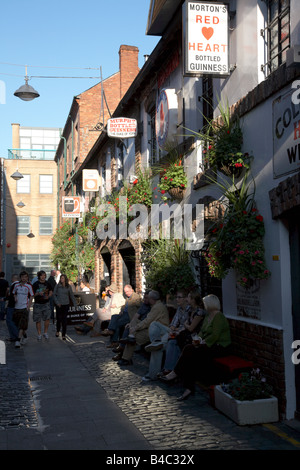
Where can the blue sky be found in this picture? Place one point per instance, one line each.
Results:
(53, 39)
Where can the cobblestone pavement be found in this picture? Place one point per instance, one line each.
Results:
(152, 407)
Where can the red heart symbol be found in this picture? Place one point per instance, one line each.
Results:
(207, 32)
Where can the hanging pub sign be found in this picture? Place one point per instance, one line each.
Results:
(121, 128)
(90, 180)
(71, 206)
(166, 117)
(206, 48)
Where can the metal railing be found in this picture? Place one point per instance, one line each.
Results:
(31, 154)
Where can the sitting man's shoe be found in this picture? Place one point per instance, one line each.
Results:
(107, 333)
(117, 357)
(128, 340)
(88, 323)
(125, 362)
(154, 346)
(112, 345)
(118, 349)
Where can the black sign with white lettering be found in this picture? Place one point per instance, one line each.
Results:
(85, 306)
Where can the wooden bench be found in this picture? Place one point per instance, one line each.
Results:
(231, 366)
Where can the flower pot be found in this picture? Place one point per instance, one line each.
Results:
(246, 412)
(176, 193)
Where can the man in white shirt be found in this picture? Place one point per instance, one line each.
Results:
(23, 293)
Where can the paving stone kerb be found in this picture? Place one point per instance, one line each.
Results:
(151, 408)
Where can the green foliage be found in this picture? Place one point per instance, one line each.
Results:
(223, 140)
(72, 252)
(167, 266)
(141, 190)
(238, 239)
(249, 386)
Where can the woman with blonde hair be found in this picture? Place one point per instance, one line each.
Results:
(196, 360)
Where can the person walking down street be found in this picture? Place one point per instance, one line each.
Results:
(4, 290)
(23, 294)
(63, 298)
(41, 308)
(11, 326)
(52, 282)
(140, 334)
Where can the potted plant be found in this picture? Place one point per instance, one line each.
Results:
(172, 177)
(247, 399)
(167, 266)
(173, 181)
(237, 241)
(223, 141)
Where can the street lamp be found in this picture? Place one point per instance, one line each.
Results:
(26, 92)
(21, 204)
(17, 175)
(30, 235)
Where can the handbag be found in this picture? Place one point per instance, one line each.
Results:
(184, 338)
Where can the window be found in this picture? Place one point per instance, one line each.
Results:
(277, 33)
(45, 223)
(46, 184)
(23, 225)
(23, 185)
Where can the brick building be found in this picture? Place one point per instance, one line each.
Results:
(88, 116)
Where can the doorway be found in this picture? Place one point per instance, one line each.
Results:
(294, 233)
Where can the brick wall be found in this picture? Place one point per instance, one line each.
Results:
(264, 346)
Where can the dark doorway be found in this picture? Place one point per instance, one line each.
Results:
(294, 230)
(127, 252)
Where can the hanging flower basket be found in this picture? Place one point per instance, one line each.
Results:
(177, 193)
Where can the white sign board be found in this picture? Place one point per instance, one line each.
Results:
(90, 180)
(286, 134)
(122, 128)
(206, 39)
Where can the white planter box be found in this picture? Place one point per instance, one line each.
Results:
(246, 412)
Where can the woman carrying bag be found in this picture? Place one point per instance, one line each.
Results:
(63, 297)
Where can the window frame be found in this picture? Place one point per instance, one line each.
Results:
(20, 183)
(40, 228)
(18, 217)
(48, 175)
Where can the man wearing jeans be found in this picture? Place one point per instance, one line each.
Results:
(160, 335)
(41, 309)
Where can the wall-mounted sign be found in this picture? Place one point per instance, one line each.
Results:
(206, 49)
(122, 128)
(71, 206)
(286, 135)
(166, 117)
(90, 180)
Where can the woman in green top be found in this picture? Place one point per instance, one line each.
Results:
(196, 360)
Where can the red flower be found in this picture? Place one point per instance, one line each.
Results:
(163, 191)
(259, 218)
(135, 181)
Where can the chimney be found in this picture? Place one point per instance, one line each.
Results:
(129, 67)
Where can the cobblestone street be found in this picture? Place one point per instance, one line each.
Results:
(151, 408)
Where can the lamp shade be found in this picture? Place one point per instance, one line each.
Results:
(26, 93)
(16, 175)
